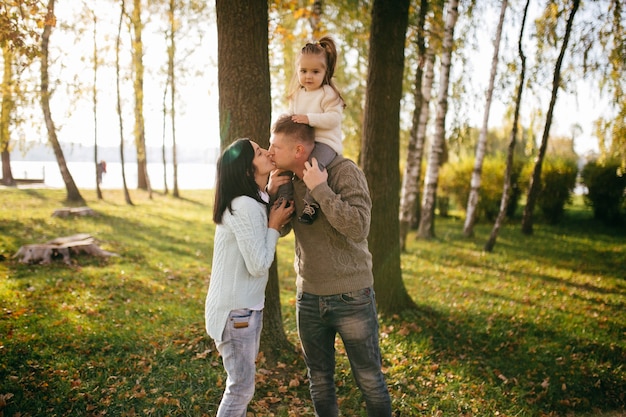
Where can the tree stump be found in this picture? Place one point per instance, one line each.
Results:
(61, 247)
(73, 211)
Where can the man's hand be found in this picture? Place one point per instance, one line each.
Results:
(312, 176)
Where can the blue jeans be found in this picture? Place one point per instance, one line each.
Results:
(239, 348)
(353, 316)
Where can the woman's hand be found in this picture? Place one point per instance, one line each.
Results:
(278, 177)
(280, 213)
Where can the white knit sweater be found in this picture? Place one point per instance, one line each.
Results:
(324, 109)
(243, 252)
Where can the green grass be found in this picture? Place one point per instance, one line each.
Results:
(537, 328)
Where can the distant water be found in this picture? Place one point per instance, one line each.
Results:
(191, 176)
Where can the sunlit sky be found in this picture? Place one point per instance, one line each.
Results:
(197, 111)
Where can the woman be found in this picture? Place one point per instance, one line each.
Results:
(244, 248)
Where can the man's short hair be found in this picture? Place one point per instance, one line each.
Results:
(299, 131)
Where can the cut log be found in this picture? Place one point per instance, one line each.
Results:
(61, 247)
(41, 253)
(73, 211)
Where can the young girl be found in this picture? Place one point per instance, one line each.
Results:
(244, 247)
(314, 100)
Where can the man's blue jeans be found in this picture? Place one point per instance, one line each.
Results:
(239, 348)
(353, 316)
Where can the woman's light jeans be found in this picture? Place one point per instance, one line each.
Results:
(239, 348)
(353, 316)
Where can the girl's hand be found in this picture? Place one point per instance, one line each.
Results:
(300, 118)
(280, 213)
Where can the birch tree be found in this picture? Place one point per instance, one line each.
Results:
(535, 181)
(409, 199)
(171, 77)
(118, 90)
(73, 195)
(166, 88)
(94, 101)
(611, 134)
(426, 228)
(506, 189)
(472, 201)
(185, 20)
(410, 179)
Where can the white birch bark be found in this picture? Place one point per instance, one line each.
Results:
(534, 188)
(427, 221)
(413, 171)
(472, 201)
(506, 189)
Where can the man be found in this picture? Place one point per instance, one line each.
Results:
(334, 270)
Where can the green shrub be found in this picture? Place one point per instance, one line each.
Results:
(605, 190)
(455, 181)
(558, 180)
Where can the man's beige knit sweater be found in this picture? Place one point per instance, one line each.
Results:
(332, 256)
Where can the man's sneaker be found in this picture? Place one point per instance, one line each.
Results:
(309, 214)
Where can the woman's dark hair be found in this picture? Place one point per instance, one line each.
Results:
(234, 177)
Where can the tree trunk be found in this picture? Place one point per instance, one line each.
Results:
(244, 102)
(245, 111)
(535, 181)
(94, 95)
(171, 57)
(143, 180)
(163, 142)
(380, 153)
(472, 201)
(6, 111)
(7, 174)
(410, 179)
(506, 189)
(427, 221)
(119, 101)
(410, 207)
(73, 195)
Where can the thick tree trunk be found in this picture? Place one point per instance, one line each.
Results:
(506, 189)
(535, 181)
(380, 154)
(73, 195)
(245, 111)
(426, 228)
(472, 201)
(143, 180)
(7, 174)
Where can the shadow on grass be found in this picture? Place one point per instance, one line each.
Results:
(537, 368)
(536, 327)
